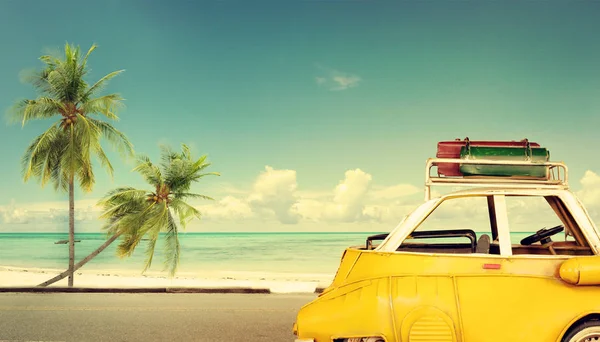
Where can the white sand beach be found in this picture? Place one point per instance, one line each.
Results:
(276, 282)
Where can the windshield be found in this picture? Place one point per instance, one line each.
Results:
(401, 230)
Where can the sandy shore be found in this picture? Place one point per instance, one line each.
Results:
(276, 282)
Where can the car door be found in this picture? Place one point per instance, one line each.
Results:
(423, 293)
(514, 297)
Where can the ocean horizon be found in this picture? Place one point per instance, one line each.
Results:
(201, 252)
(257, 252)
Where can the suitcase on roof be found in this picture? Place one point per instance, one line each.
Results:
(452, 149)
(531, 154)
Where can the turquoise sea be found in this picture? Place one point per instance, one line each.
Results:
(200, 252)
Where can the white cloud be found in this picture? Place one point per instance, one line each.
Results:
(229, 208)
(345, 82)
(48, 212)
(394, 192)
(12, 214)
(353, 200)
(345, 203)
(349, 196)
(274, 198)
(590, 193)
(390, 213)
(336, 80)
(274, 192)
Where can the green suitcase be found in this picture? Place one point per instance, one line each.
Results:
(536, 154)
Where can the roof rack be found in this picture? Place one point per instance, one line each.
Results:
(556, 175)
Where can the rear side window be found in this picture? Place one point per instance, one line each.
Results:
(455, 226)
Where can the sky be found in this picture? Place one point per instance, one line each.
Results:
(319, 115)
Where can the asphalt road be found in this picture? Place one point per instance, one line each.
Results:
(83, 317)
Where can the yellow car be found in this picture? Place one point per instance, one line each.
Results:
(470, 272)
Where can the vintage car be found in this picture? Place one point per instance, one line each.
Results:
(470, 272)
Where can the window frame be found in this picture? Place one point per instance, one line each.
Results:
(497, 219)
(569, 219)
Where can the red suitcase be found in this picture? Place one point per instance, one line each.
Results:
(451, 149)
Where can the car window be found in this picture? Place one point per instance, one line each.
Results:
(455, 226)
(528, 214)
(541, 225)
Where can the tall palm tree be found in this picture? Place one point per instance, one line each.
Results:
(133, 213)
(62, 154)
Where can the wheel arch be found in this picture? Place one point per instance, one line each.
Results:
(589, 316)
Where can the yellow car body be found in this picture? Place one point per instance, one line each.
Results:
(539, 292)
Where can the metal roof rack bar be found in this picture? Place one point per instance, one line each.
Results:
(556, 175)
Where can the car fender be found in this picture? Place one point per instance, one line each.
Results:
(574, 321)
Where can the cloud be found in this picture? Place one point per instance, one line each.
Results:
(346, 203)
(48, 212)
(228, 208)
(12, 214)
(395, 192)
(335, 80)
(390, 213)
(590, 193)
(274, 195)
(274, 192)
(349, 197)
(354, 199)
(274, 199)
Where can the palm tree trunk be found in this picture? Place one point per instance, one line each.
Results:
(71, 230)
(82, 262)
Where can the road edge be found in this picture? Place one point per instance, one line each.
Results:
(243, 290)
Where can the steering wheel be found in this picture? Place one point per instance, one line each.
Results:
(543, 235)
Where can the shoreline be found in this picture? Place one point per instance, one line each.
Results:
(11, 276)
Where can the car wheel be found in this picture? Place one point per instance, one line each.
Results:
(584, 332)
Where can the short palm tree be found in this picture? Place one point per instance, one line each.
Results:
(133, 213)
(62, 154)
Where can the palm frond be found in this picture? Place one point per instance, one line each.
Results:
(172, 247)
(149, 171)
(100, 84)
(117, 139)
(185, 211)
(104, 161)
(122, 194)
(87, 55)
(150, 250)
(150, 221)
(166, 156)
(127, 245)
(185, 195)
(52, 62)
(106, 105)
(41, 150)
(91, 131)
(41, 108)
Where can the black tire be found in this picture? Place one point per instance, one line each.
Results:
(590, 328)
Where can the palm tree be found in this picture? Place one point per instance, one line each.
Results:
(62, 154)
(134, 213)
